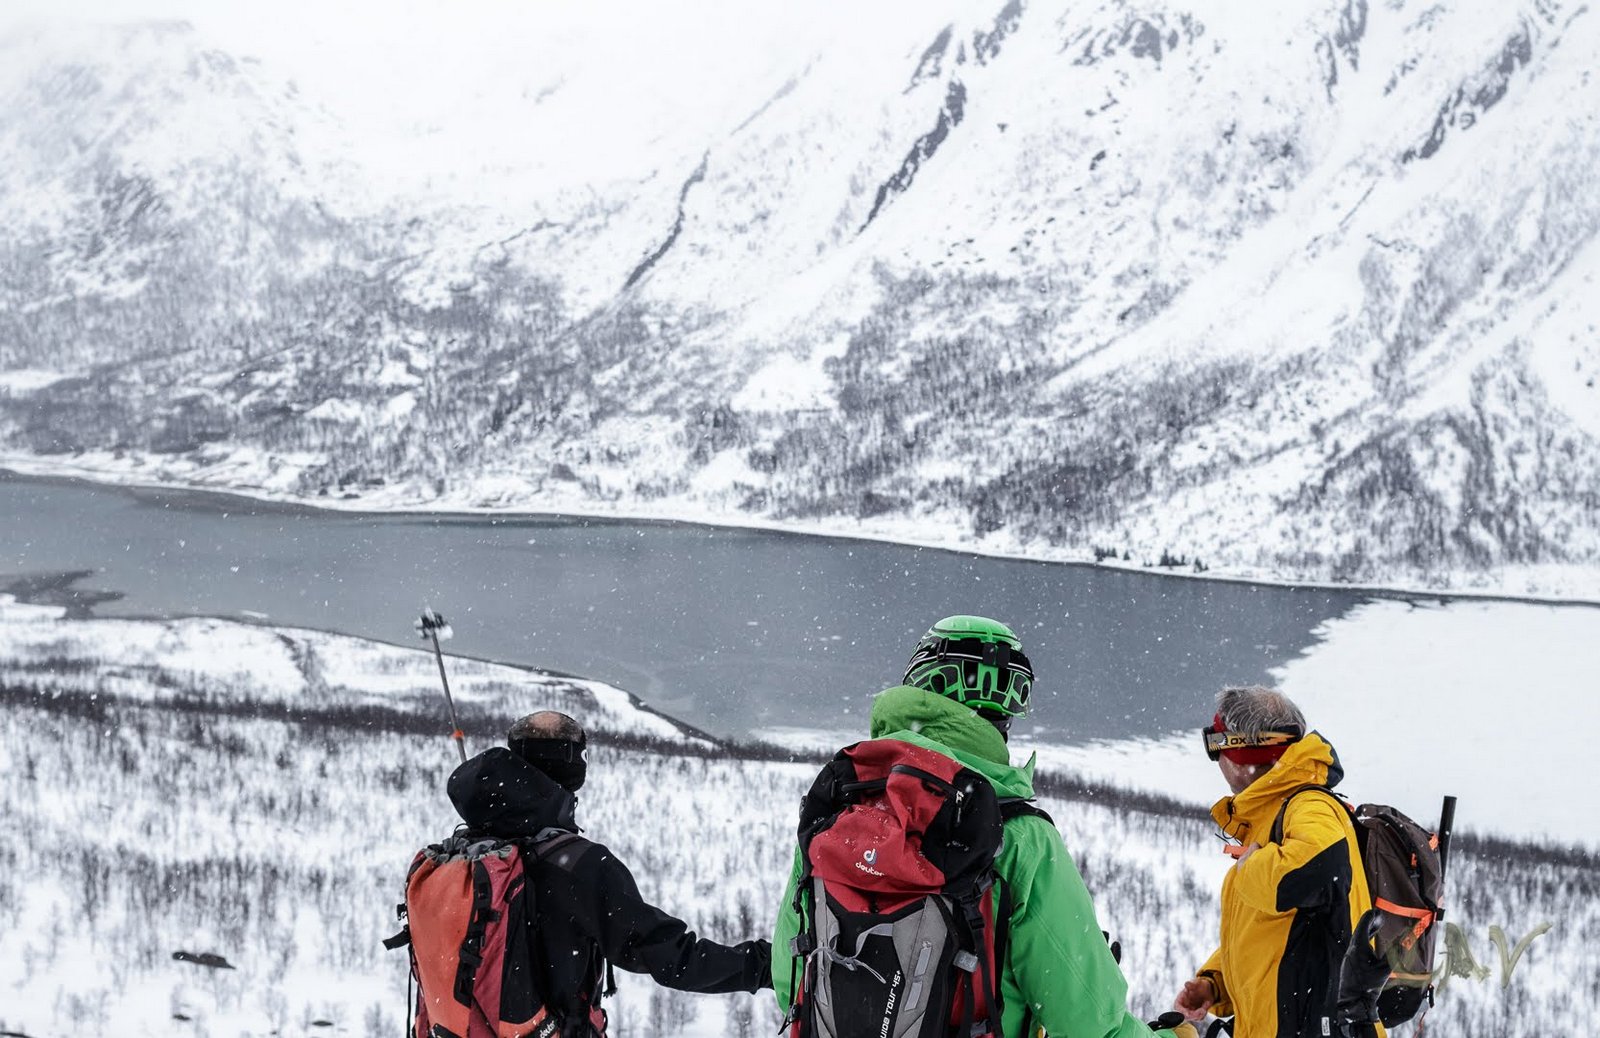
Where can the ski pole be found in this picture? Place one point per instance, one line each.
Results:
(433, 627)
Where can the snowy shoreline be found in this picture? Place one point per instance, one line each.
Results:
(1417, 667)
(31, 468)
(1480, 700)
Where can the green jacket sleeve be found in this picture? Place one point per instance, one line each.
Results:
(783, 932)
(1060, 963)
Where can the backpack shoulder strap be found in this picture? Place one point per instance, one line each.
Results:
(541, 847)
(544, 849)
(1005, 905)
(1016, 807)
(1283, 808)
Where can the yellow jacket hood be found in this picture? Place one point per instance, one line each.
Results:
(1248, 816)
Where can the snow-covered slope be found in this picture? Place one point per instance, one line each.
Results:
(1302, 291)
(212, 666)
(217, 789)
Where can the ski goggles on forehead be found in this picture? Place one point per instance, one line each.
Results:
(973, 650)
(973, 653)
(1216, 742)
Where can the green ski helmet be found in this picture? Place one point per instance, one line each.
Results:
(976, 661)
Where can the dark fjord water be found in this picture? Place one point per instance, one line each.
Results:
(728, 629)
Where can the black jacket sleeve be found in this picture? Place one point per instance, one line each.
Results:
(639, 937)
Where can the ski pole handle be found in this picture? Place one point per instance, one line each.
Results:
(432, 626)
(1447, 822)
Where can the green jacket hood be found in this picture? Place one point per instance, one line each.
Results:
(932, 721)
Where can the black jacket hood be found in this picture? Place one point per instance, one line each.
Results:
(500, 794)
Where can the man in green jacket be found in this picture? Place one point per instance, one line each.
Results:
(1059, 975)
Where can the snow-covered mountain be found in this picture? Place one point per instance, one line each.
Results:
(1304, 291)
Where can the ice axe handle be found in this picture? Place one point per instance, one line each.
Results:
(1447, 822)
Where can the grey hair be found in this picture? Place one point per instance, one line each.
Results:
(546, 724)
(1253, 709)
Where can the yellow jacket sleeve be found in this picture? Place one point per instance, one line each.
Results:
(1212, 971)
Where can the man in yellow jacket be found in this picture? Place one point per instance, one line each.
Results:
(1288, 905)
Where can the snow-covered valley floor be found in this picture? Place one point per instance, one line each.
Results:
(213, 787)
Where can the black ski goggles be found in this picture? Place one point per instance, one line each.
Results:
(1216, 742)
(565, 760)
(973, 672)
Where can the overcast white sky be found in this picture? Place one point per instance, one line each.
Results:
(377, 48)
(415, 83)
(393, 57)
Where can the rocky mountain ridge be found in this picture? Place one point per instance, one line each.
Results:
(1299, 293)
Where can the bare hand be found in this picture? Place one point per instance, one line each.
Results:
(1195, 999)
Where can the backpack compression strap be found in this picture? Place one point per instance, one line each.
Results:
(471, 954)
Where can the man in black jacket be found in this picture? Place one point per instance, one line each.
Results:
(590, 912)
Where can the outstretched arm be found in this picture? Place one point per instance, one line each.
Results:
(641, 938)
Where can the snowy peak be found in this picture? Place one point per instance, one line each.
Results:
(150, 98)
(1303, 290)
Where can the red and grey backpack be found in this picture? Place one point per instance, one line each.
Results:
(470, 914)
(1404, 866)
(898, 934)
